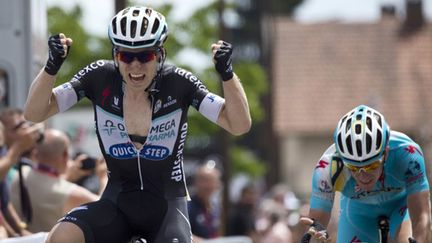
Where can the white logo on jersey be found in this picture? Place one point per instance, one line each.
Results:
(92, 66)
(188, 75)
(158, 105)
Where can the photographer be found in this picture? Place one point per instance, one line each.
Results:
(51, 195)
(88, 172)
(19, 138)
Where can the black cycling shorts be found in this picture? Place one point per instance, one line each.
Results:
(136, 213)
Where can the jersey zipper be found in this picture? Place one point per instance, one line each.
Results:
(139, 169)
(139, 151)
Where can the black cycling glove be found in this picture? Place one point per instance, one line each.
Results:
(223, 58)
(56, 55)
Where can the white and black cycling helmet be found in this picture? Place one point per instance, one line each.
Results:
(138, 27)
(361, 136)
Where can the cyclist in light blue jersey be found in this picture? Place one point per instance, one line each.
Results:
(378, 172)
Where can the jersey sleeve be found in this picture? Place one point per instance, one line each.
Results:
(322, 188)
(412, 168)
(81, 85)
(199, 97)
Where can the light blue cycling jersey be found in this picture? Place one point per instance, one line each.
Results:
(403, 174)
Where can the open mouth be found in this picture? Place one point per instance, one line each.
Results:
(136, 77)
(366, 182)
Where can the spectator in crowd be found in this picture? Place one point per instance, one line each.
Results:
(277, 230)
(241, 220)
(88, 172)
(272, 223)
(51, 195)
(19, 138)
(204, 213)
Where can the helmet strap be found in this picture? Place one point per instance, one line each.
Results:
(113, 53)
(161, 61)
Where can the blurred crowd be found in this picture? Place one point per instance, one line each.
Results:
(262, 216)
(41, 180)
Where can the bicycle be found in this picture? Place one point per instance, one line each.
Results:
(383, 226)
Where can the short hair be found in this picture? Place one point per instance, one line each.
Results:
(10, 111)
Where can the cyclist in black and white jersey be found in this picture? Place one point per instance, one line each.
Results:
(140, 110)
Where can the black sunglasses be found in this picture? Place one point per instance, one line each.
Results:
(143, 56)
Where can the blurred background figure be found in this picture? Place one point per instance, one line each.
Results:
(20, 137)
(242, 217)
(204, 208)
(51, 195)
(276, 230)
(88, 172)
(274, 212)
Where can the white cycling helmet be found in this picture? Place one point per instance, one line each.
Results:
(361, 136)
(138, 27)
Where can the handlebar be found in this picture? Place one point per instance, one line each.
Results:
(318, 227)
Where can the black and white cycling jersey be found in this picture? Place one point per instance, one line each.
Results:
(157, 166)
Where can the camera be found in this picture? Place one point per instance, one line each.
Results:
(40, 131)
(39, 126)
(88, 163)
(41, 137)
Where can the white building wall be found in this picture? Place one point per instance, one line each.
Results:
(299, 155)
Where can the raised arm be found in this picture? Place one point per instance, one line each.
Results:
(41, 102)
(234, 116)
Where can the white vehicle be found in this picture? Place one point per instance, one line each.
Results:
(23, 31)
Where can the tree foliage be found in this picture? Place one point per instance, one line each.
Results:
(198, 32)
(85, 49)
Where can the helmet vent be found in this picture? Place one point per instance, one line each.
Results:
(125, 11)
(135, 13)
(358, 129)
(133, 28)
(359, 148)
(358, 117)
(148, 11)
(378, 118)
(114, 25)
(155, 26)
(368, 143)
(340, 143)
(343, 119)
(348, 144)
(144, 26)
(348, 125)
(378, 141)
(164, 32)
(369, 123)
(123, 25)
